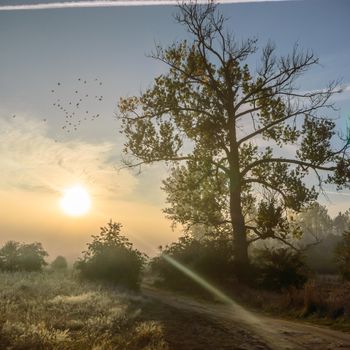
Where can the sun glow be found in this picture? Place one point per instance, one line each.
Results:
(75, 201)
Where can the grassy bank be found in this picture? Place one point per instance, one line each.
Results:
(57, 311)
(318, 302)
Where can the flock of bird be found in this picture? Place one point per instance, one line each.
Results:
(76, 109)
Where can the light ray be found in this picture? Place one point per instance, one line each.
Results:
(266, 333)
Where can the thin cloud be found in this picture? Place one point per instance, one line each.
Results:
(32, 161)
(110, 3)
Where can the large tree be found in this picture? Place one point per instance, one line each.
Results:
(225, 126)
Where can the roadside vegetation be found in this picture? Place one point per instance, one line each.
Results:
(280, 283)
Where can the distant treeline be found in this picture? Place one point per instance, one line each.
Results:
(323, 248)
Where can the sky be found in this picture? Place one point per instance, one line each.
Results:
(46, 55)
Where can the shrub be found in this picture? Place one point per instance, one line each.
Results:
(210, 258)
(60, 263)
(342, 254)
(280, 268)
(15, 256)
(111, 257)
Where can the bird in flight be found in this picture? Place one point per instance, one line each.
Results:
(74, 106)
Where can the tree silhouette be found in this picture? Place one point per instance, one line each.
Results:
(15, 256)
(111, 257)
(59, 264)
(343, 255)
(223, 126)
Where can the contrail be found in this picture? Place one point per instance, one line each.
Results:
(338, 193)
(111, 3)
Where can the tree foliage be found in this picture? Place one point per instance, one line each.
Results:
(60, 263)
(15, 256)
(341, 222)
(343, 255)
(210, 258)
(224, 126)
(111, 257)
(280, 268)
(315, 223)
(321, 235)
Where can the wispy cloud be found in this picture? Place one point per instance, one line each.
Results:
(110, 3)
(32, 161)
(346, 88)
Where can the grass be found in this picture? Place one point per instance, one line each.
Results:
(317, 302)
(58, 311)
(53, 310)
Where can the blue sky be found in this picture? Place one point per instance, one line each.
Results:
(41, 48)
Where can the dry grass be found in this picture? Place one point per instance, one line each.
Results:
(57, 311)
(318, 301)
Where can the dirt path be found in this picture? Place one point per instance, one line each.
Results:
(193, 325)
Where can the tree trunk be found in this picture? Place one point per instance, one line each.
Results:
(240, 244)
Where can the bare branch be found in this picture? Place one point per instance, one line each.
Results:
(303, 164)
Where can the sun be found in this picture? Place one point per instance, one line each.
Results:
(75, 201)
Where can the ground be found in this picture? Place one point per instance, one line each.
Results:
(205, 325)
(58, 311)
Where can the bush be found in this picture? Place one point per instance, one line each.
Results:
(210, 258)
(59, 264)
(15, 256)
(280, 268)
(342, 254)
(111, 257)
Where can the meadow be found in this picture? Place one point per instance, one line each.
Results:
(56, 310)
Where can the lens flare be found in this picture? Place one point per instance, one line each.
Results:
(270, 336)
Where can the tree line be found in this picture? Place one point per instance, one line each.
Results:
(110, 257)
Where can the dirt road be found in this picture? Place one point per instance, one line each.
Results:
(193, 325)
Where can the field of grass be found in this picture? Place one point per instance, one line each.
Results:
(58, 311)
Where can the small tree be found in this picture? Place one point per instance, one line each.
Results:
(315, 223)
(9, 256)
(341, 222)
(32, 257)
(111, 257)
(280, 268)
(343, 255)
(15, 256)
(59, 264)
